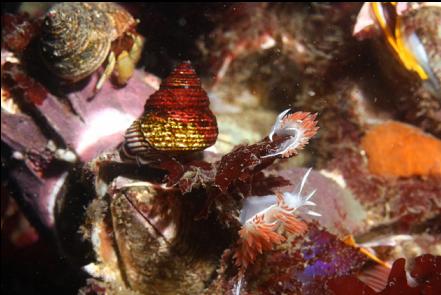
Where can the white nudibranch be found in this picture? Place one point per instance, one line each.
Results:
(298, 127)
(261, 217)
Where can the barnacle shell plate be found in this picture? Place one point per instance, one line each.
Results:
(148, 250)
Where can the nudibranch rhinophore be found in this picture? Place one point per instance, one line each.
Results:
(176, 119)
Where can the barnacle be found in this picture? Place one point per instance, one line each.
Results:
(299, 127)
(261, 217)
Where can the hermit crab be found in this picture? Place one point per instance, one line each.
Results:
(77, 38)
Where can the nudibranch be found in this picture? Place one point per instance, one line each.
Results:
(263, 217)
(299, 127)
(411, 31)
(176, 119)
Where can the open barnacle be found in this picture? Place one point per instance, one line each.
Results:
(77, 38)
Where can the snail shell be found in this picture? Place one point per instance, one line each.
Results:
(176, 119)
(77, 37)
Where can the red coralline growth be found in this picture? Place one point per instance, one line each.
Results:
(427, 269)
(415, 200)
(409, 200)
(242, 163)
(300, 266)
(15, 78)
(18, 31)
(426, 272)
(262, 185)
(290, 133)
(365, 186)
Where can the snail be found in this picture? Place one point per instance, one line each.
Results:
(176, 119)
(78, 38)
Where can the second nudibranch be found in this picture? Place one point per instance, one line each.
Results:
(264, 218)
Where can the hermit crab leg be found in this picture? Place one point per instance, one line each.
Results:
(126, 61)
(111, 61)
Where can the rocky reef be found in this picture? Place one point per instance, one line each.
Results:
(286, 149)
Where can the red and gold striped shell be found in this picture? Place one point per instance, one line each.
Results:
(176, 120)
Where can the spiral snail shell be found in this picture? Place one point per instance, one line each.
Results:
(78, 37)
(177, 118)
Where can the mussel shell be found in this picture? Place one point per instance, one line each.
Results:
(426, 23)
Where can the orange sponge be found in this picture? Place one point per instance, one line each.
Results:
(397, 149)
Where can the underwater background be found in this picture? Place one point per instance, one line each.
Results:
(224, 148)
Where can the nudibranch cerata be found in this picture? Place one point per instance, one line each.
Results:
(261, 217)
